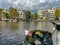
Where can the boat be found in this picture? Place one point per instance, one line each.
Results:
(38, 37)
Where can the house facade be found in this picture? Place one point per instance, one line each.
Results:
(47, 14)
(41, 13)
(52, 13)
(22, 15)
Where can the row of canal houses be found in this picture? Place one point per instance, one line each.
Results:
(47, 14)
(21, 16)
(43, 14)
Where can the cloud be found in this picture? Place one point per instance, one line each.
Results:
(23, 4)
(41, 1)
(29, 4)
(9, 0)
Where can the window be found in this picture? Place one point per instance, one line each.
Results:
(21, 13)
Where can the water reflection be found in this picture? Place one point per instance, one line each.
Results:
(13, 32)
(13, 26)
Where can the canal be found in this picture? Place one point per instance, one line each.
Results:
(12, 33)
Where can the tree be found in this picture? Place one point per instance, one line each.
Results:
(13, 13)
(6, 15)
(35, 16)
(57, 13)
(28, 15)
(1, 10)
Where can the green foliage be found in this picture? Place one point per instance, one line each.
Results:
(6, 15)
(13, 13)
(1, 10)
(35, 16)
(57, 13)
(28, 14)
(30, 40)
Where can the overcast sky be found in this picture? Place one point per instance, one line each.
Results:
(22, 4)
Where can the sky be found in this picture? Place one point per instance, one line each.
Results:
(23, 4)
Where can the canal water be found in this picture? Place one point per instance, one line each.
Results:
(13, 33)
